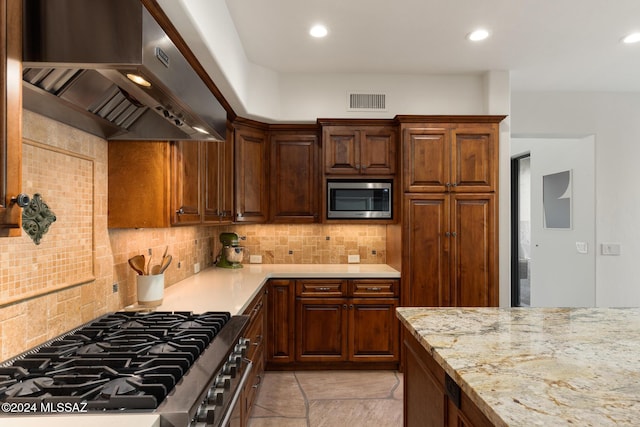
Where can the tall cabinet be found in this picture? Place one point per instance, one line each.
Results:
(449, 219)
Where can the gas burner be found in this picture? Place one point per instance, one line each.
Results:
(132, 324)
(93, 348)
(163, 348)
(29, 387)
(121, 386)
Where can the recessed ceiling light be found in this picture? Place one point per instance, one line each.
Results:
(632, 38)
(478, 35)
(318, 31)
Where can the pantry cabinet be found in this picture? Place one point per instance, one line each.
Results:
(10, 116)
(450, 157)
(251, 171)
(450, 243)
(359, 147)
(449, 216)
(294, 182)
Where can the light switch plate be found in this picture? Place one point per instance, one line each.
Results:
(255, 259)
(354, 259)
(582, 247)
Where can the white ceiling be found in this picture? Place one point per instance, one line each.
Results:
(545, 44)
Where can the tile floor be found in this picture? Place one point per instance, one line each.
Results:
(329, 399)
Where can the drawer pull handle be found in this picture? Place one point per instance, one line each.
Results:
(374, 289)
(323, 289)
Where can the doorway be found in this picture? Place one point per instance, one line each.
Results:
(553, 222)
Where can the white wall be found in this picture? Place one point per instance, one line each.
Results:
(614, 119)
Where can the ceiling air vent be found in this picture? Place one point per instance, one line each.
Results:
(359, 101)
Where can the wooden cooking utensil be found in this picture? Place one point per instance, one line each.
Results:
(137, 263)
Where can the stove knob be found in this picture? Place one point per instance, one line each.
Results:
(236, 359)
(241, 347)
(205, 415)
(229, 369)
(223, 381)
(215, 396)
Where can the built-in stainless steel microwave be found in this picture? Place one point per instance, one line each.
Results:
(359, 200)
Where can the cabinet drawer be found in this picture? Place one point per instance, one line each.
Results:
(321, 288)
(255, 333)
(374, 288)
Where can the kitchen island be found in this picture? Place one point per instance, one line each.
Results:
(522, 366)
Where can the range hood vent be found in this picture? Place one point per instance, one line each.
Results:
(77, 55)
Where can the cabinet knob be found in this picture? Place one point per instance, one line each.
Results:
(447, 234)
(454, 234)
(351, 306)
(180, 211)
(344, 306)
(21, 200)
(358, 167)
(239, 215)
(455, 184)
(448, 184)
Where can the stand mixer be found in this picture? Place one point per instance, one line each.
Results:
(231, 253)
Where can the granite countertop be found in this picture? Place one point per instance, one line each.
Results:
(221, 289)
(538, 366)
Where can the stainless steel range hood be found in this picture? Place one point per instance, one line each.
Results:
(76, 58)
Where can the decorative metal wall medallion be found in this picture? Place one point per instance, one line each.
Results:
(36, 218)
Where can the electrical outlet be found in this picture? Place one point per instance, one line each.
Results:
(196, 268)
(114, 287)
(255, 259)
(354, 259)
(179, 264)
(611, 249)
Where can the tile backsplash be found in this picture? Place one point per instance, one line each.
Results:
(80, 269)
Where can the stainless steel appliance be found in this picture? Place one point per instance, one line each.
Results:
(84, 62)
(359, 199)
(188, 368)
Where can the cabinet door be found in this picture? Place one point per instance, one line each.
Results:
(251, 196)
(212, 181)
(294, 178)
(280, 323)
(426, 245)
(226, 166)
(139, 176)
(10, 116)
(378, 150)
(186, 185)
(426, 158)
(373, 330)
(341, 146)
(474, 157)
(321, 329)
(474, 279)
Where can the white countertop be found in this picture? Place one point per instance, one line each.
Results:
(222, 289)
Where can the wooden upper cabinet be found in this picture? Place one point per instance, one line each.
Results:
(251, 172)
(186, 175)
(294, 182)
(353, 148)
(217, 202)
(157, 184)
(450, 157)
(10, 116)
(139, 187)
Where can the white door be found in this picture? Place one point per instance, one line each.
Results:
(562, 253)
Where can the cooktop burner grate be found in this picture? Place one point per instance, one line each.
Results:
(120, 361)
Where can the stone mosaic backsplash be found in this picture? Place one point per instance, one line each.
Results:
(88, 259)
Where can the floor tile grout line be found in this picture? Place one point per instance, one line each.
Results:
(304, 396)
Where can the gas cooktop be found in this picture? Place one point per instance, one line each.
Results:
(123, 360)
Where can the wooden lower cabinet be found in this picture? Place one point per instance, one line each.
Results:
(431, 398)
(316, 323)
(255, 353)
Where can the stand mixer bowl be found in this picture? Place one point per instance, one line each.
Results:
(233, 253)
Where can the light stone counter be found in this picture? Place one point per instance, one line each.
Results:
(539, 367)
(221, 289)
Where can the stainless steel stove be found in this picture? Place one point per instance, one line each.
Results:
(188, 368)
